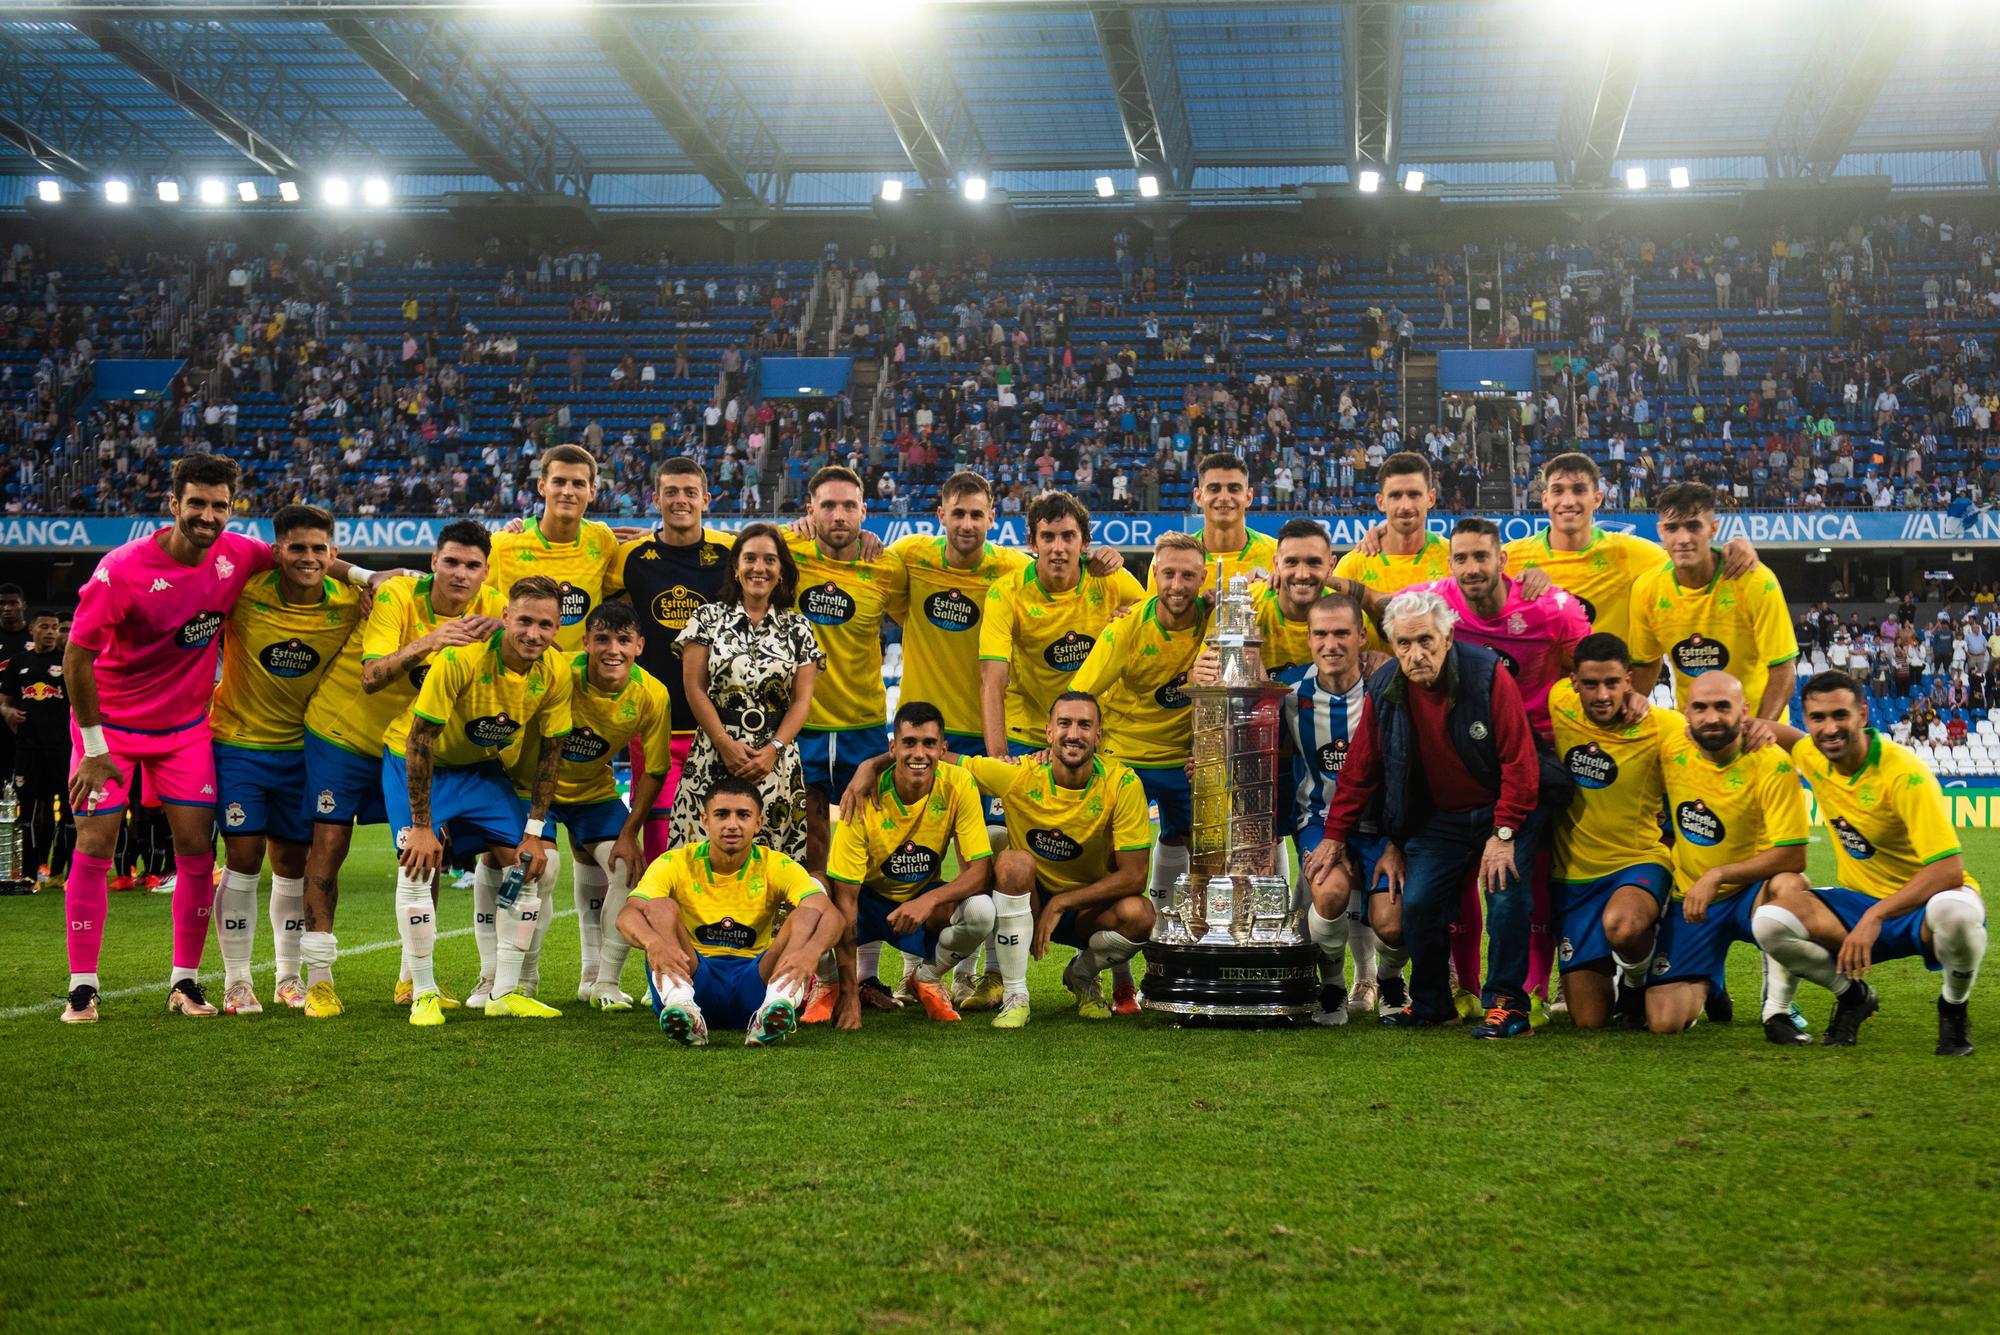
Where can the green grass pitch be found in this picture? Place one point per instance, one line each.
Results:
(584, 1174)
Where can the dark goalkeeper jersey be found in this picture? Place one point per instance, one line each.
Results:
(666, 584)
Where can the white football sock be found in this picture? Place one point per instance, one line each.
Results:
(544, 890)
(1957, 920)
(673, 989)
(1329, 937)
(517, 933)
(1013, 927)
(612, 955)
(485, 905)
(1632, 973)
(1390, 959)
(1169, 862)
(1109, 949)
(77, 980)
(869, 958)
(416, 923)
(960, 939)
(288, 920)
(968, 968)
(236, 923)
(1787, 945)
(317, 951)
(590, 885)
(1361, 944)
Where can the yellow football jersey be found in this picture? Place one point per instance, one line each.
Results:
(484, 706)
(1726, 813)
(844, 600)
(585, 571)
(1739, 626)
(1136, 670)
(1044, 638)
(342, 712)
(1613, 820)
(1889, 819)
(1286, 642)
(274, 656)
(897, 851)
(1388, 574)
(602, 724)
(1600, 576)
(939, 607)
(728, 913)
(1259, 552)
(1072, 832)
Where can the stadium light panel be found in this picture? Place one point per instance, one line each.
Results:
(892, 190)
(1106, 187)
(247, 191)
(1413, 182)
(375, 192)
(1149, 187)
(1635, 178)
(1677, 177)
(49, 192)
(1370, 181)
(288, 191)
(117, 191)
(212, 192)
(169, 192)
(337, 192)
(975, 188)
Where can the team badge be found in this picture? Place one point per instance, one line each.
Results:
(233, 816)
(1517, 624)
(1566, 951)
(1480, 732)
(324, 804)
(224, 567)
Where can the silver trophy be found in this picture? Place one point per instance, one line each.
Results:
(16, 877)
(1229, 943)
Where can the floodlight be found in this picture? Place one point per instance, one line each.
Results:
(1149, 187)
(211, 191)
(117, 191)
(1370, 182)
(288, 191)
(375, 192)
(247, 191)
(49, 192)
(1677, 177)
(170, 192)
(892, 190)
(1106, 187)
(336, 191)
(1635, 178)
(975, 188)
(1413, 181)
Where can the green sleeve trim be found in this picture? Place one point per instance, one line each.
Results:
(1788, 658)
(659, 773)
(552, 736)
(841, 879)
(995, 658)
(1146, 847)
(372, 658)
(975, 857)
(1788, 843)
(1948, 853)
(427, 718)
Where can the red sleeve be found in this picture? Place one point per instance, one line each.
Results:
(1514, 738)
(1360, 778)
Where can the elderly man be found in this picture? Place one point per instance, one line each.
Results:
(1447, 751)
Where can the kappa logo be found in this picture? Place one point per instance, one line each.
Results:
(233, 815)
(159, 586)
(208, 790)
(324, 803)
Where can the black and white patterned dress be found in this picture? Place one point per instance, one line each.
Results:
(752, 668)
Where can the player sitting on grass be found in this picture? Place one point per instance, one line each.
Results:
(711, 918)
(1903, 886)
(887, 867)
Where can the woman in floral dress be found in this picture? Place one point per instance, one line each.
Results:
(748, 663)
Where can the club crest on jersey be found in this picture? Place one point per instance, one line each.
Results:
(1170, 696)
(323, 804)
(233, 816)
(827, 604)
(1516, 624)
(1054, 845)
(200, 630)
(710, 554)
(1698, 654)
(912, 864)
(492, 729)
(1332, 756)
(583, 746)
(1066, 654)
(1852, 842)
(951, 610)
(1699, 825)
(726, 932)
(575, 603)
(291, 659)
(1591, 766)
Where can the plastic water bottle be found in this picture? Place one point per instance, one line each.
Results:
(510, 885)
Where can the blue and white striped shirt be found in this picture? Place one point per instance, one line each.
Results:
(1322, 724)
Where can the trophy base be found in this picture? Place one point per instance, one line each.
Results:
(1253, 986)
(19, 887)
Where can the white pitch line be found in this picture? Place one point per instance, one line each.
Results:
(268, 966)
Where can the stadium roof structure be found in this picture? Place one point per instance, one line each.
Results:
(749, 109)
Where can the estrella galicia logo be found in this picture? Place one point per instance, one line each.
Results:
(726, 932)
(827, 605)
(1589, 608)
(1591, 766)
(583, 746)
(1170, 696)
(1854, 843)
(1054, 845)
(1331, 757)
(492, 730)
(1699, 825)
(417, 675)
(1066, 654)
(575, 603)
(672, 607)
(1699, 653)
(951, 610)
(200, 630)
(293, 658)
(912, 864)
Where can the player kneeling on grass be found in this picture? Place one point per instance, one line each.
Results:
(1903, 886)
(472, 714)
(887, 865)
(707, 916)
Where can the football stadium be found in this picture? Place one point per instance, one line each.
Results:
(1074, 664)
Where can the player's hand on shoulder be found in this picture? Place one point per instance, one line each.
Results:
(871, 546)
(1636, 707)
(1105, 561)
(802, 527)
(1758, 733)
(515, 525)
(381, 577)
(1739, 557)
(1371, 541)
(630, 532)
(1535, 583)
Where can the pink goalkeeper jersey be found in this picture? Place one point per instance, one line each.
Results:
(1532, 639)
(156, 627)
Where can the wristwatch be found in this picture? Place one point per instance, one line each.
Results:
(1504, 833)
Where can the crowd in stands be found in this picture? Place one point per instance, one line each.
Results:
(1790, 369)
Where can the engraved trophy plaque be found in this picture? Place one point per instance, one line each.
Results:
(1229, 946)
